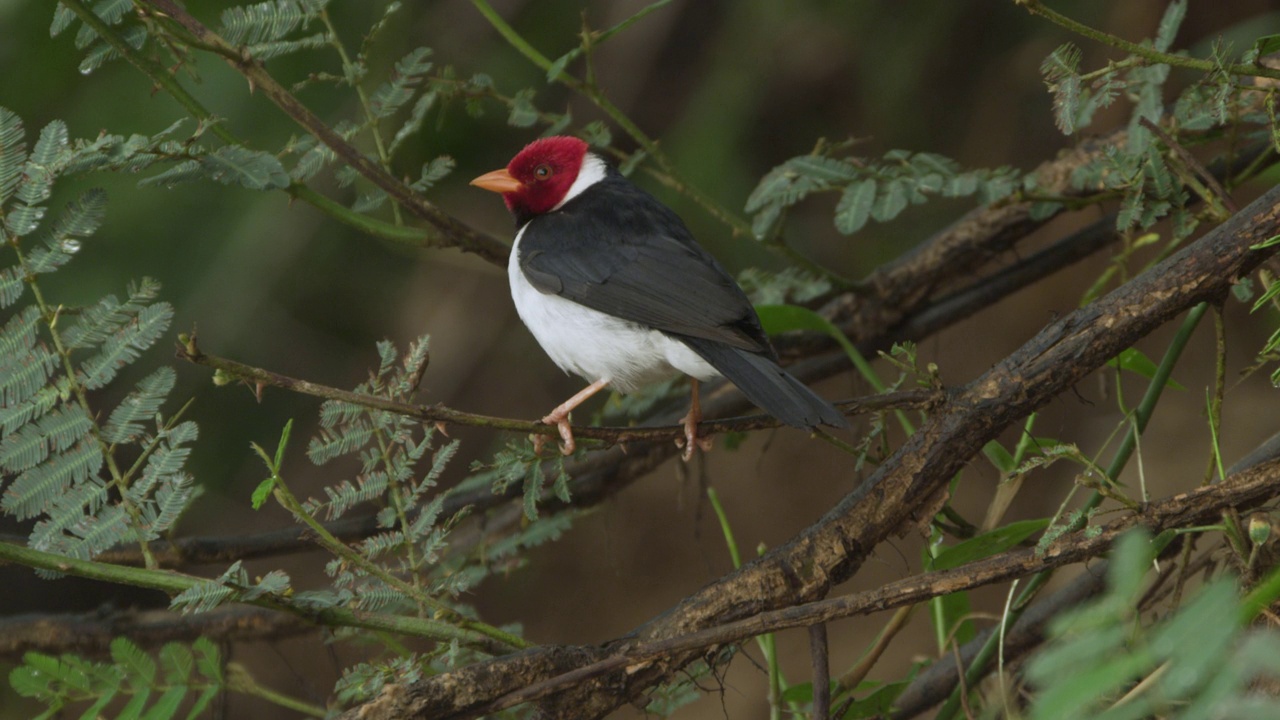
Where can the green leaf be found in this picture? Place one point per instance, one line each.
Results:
(891, 200)
(951, 623)
(22, 376)
(110, 11)
(1266, 45)
(987, 544)
(827, 171)
(999, 457)
(400, 88)
(854, 208)
(13, 152)
(1269, 242)
(781, 318)
(38, 173)
(1135, 361)
(30, 493)
(262, 492)
(143, 403)
(253, 169)
(12, 285)
(126, 344)
(523, 113)
(414, 123)
(261, 22)
(1169, 24)
(136, 663)
(167, 706)
(55, 432)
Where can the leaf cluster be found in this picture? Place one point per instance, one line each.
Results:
(153, 688)
(1103, 660)
(60, 462)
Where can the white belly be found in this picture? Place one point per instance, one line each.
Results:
(597, 346)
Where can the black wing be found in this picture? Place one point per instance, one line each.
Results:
(616, 249)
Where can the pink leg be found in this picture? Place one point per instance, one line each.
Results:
(560, 418)
(690, 423)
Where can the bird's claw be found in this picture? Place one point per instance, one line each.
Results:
(691, 439)
(567, 444)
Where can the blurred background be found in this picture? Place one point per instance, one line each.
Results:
(731, 89)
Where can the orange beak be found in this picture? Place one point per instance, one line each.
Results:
(499, 181)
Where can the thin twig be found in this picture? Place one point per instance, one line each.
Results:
(189, 350)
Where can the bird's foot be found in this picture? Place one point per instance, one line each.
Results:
(691, 439)
(561, 421)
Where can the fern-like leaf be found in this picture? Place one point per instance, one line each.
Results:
(277, 48)
(13, 152)
(263, 22)
(415, 120)
(34, 489)
(143, 403)
(54, 433)
(124, 346)
(434, 172)
(393, 94)
(332, 444)
(22, 375)
(41, 167)
(15, 416)
(111, 12)
(18, 336)
(66, 511)
(101, 52)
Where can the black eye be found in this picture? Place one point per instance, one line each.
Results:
(542, 172)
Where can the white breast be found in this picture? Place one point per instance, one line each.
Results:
(594, 345)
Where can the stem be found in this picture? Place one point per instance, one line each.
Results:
(239, 680)
(342, 550)
(765, 642)
(188, 350)
(371, 120)
(172, 583)
(1035, 7)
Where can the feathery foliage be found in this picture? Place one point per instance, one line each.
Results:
(58, 461)
(1198, 662)
(152, 688)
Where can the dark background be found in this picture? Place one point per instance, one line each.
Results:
(731, 89)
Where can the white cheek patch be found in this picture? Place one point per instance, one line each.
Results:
(592, 172)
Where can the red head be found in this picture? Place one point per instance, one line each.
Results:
(537, 179)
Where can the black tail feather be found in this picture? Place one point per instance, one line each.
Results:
(767, 385)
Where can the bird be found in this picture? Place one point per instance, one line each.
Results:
(616, 290)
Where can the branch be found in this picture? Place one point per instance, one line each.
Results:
(833, 549)
(91, 633)
(172, 583)
(188, 350)
(1146, 52)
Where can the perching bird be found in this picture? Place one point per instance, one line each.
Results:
(616, 290)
